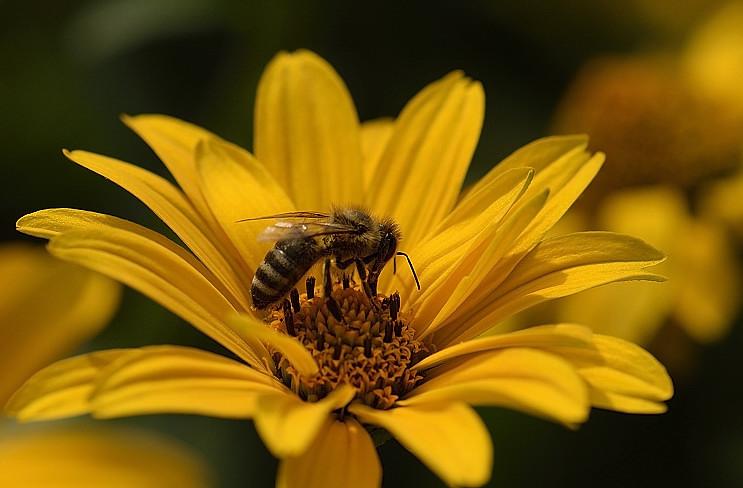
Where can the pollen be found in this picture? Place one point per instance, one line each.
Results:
(373, 348)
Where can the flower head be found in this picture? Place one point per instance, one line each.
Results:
(316, 377)
(673, 179)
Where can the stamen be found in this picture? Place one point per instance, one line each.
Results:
(394, 304)
(294, 296)
(345, 281)
(310, 287)
(288, 318)
(372, 347)
(388, 331)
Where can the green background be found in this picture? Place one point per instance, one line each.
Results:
(70, 68)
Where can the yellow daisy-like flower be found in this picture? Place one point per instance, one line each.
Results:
(412, 364)
(674, 180)
(47, 308)
(702, 295)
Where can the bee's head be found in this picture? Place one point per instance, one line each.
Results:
(389, 235)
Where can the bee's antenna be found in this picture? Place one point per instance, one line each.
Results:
(394, 264)
(410, 263)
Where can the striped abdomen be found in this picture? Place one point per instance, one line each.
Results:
(281, 269)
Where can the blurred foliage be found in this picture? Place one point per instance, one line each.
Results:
(70, 68)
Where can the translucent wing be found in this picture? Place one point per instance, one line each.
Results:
(289, 215)
(282, 230)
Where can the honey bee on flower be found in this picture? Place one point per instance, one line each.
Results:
(319, 372)
(349, 235)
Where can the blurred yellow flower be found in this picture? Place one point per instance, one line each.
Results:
(413, 364)
(92, 457)
(673, 179)
(719, 201)
(49, 307)
(713, 57)
(713, 61)
(702, 293)
(661, 129)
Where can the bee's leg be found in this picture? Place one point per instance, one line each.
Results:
(344, 264)
(361, 268)
(373, 285)
(327, 284)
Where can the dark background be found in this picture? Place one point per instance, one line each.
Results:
(70, 68)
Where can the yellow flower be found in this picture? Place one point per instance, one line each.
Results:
(663, 129)
(713, 56)
(315, 387)
(703, 291)
(673, 179)
(86, 457)
(47, 308)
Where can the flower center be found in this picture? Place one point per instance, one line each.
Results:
(372, 348)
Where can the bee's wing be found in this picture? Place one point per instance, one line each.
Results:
(289, 215)
(298, 230)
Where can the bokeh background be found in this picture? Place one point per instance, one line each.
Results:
(70, 68)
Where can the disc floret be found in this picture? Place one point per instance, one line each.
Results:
(373, 348)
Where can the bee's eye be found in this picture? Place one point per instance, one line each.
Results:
(389, 246)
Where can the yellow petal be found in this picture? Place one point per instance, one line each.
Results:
(254, 330)
(169, 203)
(147, 262)
(91, 457)
(174, 379)
(342, 455)
(428, 154)
(289, 425)
(566, 179)
(557, 267)
(236, 186)
(621, 376)
(459, 234)
(522, 379)
(583, 249)
(539, 336)
(34, 332)
(704, 285)
(449, 438)
(635, 311)
(374, 137)
(538, 155)
(174, 141)
(502, 192)
(62, 389)
(307, 131)
(474, 272)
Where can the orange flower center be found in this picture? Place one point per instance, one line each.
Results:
(372, 348)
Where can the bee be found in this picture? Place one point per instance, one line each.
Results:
(346, 236)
